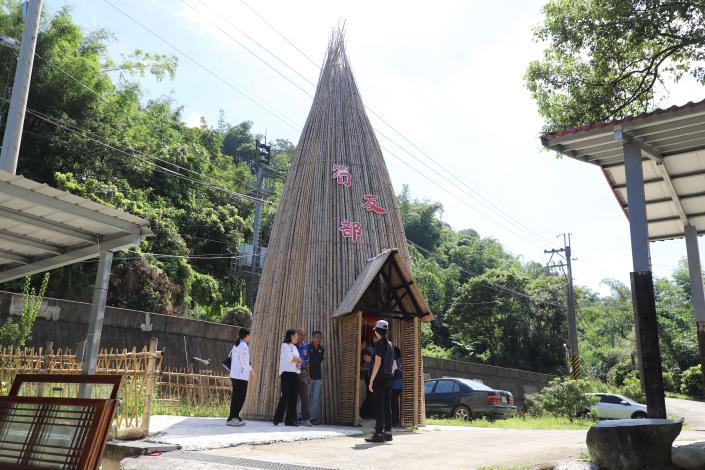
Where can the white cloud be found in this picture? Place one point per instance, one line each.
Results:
(194, 120)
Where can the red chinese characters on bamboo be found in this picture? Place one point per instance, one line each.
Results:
(341, 173)
(351, 230)
(371, 204)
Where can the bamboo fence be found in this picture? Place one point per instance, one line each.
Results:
(190, 388)
(311, 265)
(139, 370)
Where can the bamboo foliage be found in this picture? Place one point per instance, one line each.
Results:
(310, 265)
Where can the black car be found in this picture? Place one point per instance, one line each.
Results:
(466, 399)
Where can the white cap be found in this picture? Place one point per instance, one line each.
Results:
(382, 325)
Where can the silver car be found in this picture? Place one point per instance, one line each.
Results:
(613, 406)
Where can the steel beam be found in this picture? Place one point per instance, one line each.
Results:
(658, 179)
(15, 257)
(28, 241)
(57, 204)
(70, 257)
(638, 226)
(696, 274)
(626, 138)
(39, 222)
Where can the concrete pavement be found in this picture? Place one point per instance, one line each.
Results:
(212, 433)
(447, 447)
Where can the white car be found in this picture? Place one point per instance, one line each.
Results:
(613, 406)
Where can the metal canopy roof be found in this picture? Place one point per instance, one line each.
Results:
(672, 143)
(42, 228)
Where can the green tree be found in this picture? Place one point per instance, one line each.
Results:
(609, 58)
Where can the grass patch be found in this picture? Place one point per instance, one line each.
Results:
(683, 396)
(204, 411)
(547, 422)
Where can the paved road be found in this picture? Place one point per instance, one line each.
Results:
(449, 448)
(692, 411)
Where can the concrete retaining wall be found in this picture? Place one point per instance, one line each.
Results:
(65, 323)
(519, 382)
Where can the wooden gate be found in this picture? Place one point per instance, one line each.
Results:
(349, 369)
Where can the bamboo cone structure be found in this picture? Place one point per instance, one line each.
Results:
(310, 264)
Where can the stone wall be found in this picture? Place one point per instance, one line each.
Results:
(519, 382)
(65, 323)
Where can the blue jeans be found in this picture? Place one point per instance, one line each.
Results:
(314, 393)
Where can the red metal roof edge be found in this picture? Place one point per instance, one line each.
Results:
(615, 122)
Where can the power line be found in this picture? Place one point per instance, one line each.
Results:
(124, 111)
(475, 195)
(227, 83)
(445, 189)
(452, 174)
(489, 283)
(522, 237)
(251, 51)
(264, 20)
(82, 133)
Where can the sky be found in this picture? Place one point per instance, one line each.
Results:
(448, 76)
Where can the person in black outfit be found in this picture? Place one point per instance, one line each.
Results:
(289, 370)
(381, 383)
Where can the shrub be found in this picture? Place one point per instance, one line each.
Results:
(20, 333)
(632, 389)
(567, 398)
(692, 382)
(533, 405)
(669, 384)
(619, 372)
(239, 315)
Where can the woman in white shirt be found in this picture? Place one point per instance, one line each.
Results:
(240, 374)
(289, 369)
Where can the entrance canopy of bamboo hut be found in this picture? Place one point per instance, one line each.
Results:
(386, 288)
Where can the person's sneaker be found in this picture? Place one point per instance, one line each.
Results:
(276, 423)
(375, 438)
(388, 436)
(232, 422)
(306, 423)
(240, 422)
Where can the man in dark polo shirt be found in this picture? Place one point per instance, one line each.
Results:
(315, 358)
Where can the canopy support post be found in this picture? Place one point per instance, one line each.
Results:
(696, 289)
(643, 300)
(95, 322)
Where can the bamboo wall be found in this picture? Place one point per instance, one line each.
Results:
(310, 266)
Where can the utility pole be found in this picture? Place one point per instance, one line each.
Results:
(573, 351)
(20, 89)
(262, 153)
(262, 160)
